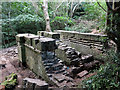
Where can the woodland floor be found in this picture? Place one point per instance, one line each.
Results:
(9, 63)
(9, 57)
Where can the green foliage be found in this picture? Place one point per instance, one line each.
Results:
(61, 22)
(16, 8)
(10, 81)
(83, 27)
(95, 12)
(19, 17)
(25, 23)
(108, 76)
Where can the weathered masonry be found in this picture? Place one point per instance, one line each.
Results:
(36, 52)
(58, 56)
(86, 43)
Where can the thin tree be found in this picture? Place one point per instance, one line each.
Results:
(46, 15)
(113, 21)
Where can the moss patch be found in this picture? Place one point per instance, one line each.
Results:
(10, 81)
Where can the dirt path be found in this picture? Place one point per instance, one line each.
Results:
(9, 63)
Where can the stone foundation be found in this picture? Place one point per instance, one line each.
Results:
(53, 60)
(33, 50)
(86, 43)
(48, 53)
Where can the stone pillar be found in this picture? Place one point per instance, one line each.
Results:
(34, 51)
(49, 34)
(21, 48)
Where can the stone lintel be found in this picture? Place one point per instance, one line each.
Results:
(49, 34)
(46, 44)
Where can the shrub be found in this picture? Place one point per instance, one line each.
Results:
(61, 22)
(108, 76)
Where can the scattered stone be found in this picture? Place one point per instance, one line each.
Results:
(35, 84)
(60, 71)
(2, 64)
(75, 61)
(60, 61)
(88, 58)
(75, 70)
(49, 75)
(83, 73)
(64, 45)
(2, 87)
(59, 77)
(70, 52)
(92, 65)
(70, 84)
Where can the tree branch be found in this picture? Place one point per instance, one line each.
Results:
(101, 6)
(110, 7)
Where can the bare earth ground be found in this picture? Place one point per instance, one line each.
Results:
(9, 57)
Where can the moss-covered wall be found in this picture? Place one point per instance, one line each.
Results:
(32, 50)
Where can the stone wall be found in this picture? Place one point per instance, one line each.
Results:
(33, 50)
(49, 34)
(86, 43)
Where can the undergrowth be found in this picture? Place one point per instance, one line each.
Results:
(108, 75)
(83, 26)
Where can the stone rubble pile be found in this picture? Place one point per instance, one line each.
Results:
(34, 84)
(63, 75)
(58, 66)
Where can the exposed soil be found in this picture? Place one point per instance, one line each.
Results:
(9, 57)
(9, 63)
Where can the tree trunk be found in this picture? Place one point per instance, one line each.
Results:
(46, 15)
(113, 23)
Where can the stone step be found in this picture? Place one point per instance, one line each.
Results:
(60, 78)
(48, 64)
(57, 67)
(33, 84)
(87, 58)
(82, 74)
(48, 61)
(91, 65)
(60, 71)
(73, 71)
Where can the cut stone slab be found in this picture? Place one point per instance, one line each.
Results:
(59, 77)
(2, 64)
(76, 70)
(83, 73)
(91, 65)
(88, 58)
(46, 44)
(75, 62)
(35, 83)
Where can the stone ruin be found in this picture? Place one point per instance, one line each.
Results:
(59, 57)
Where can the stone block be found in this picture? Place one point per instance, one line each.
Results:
(29, 38)
(76, 70)
(21, 54)
(20, 38)
(92, 65)
(35, 41)
(88, 58)
(41, 33)
(82, 74)
(46, 44)
(35, 84)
